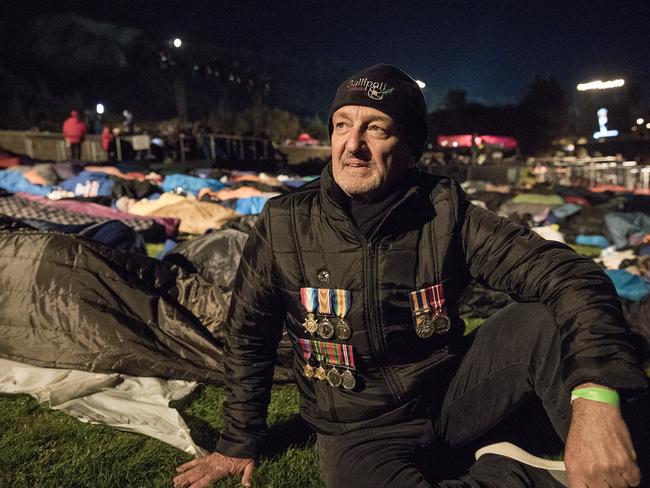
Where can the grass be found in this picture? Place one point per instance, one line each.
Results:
(40, 447)
(588, 251)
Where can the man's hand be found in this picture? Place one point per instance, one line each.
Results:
(599, 451)
(203, 471)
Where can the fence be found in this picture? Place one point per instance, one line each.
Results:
(593, 172)
(52, 147)
(49, 146)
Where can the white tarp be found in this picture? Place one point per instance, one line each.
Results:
(129, 403)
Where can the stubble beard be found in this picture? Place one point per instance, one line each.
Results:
(365, 188)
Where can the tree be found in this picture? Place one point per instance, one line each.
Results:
(316, 127)
(454, 100)
(275, 123)
(543, 115)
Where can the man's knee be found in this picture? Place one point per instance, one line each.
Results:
(354, 466)
(521, 326)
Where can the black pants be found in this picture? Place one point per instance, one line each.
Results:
(75, 151)
(507, 387)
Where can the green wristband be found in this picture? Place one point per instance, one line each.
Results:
(596, 394)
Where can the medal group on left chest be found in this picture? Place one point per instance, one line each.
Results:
(325, 360)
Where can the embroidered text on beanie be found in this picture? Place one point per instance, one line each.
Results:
(390, 90)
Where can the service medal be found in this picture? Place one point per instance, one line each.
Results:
(334, 377)
(347, 380)
(310, 324)
(320, 373)
(342, 300)
(427, 305)
(342, 330)
(308, 370)
(325, 328)
(424, 325)
(309, 300)
(441, 323)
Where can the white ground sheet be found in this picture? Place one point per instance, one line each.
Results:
(130, 403)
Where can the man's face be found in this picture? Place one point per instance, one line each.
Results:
(368, 154)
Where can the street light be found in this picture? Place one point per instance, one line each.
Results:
(179, 87)
(99, 109)
(639, 121)
(600, 85)
(421, 84)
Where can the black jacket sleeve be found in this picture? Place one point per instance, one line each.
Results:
(253, 331)
(597, 345)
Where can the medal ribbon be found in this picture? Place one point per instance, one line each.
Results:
(431, 297)
(319, 347)
(309, 298)
(324, 301)
(332, 353)
(342, 302)
(436, 297)
(347, 356)
(419, 300)
(306, 348)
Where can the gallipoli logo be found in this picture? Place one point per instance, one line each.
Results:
(374, 89)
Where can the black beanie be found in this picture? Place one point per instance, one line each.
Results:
(390, 90)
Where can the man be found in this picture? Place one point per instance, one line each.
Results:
(365, 267)
(74, 132)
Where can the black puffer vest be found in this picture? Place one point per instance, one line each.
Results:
(411, 249)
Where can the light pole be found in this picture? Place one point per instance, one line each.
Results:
(179, 88)
(99, 109)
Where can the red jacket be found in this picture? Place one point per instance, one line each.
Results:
(106, 138)
(74, 129)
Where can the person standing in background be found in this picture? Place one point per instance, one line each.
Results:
(74, 132)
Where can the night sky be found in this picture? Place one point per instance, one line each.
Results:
(491, 49)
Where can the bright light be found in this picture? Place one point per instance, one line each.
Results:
(421, 84)
(177, 42)
(600, 85)
(99, 109)
(640, 121)
(607, 133)
(647, 126)
(602, 123)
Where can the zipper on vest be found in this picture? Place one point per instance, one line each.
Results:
(374, 326)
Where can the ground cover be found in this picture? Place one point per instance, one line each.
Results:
(40, 447)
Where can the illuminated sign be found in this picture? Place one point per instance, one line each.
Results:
(600, 85)
(602, 123)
